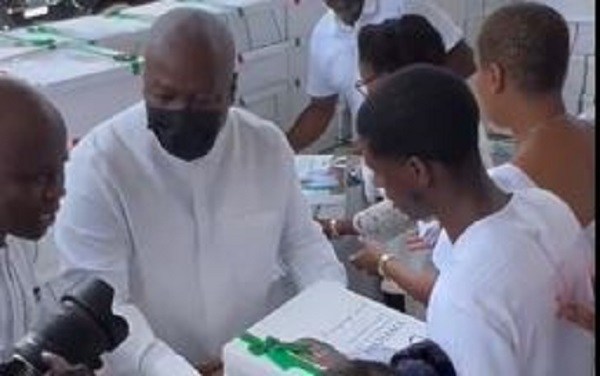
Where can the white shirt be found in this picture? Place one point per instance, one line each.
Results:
(19, 293)
(333, 50)
(193, 249)
(493, 307)
(509, 178)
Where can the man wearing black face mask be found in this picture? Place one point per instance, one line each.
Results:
(188, 207)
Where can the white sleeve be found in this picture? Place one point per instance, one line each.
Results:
(476, 345)
(450, 32)
(305, 251)
(92, 236)
(318, 82)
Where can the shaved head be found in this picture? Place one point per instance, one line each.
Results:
(190, 55)
(23, 105)
(183, 29)
(32, 154)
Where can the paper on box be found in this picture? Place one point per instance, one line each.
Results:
(353, 324)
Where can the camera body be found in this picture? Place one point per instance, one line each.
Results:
(80, 330)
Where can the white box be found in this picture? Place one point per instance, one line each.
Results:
(262, 68)
(455, 9)
(8, 52)
(302, 16)
(263, 20)
(575, 80)
(87, 88)
(355, 325)
(253, 23)
(474, 9)
(298, 58)
(590, 76)
(585, 39)
(271, 103)
(572, 102)
(119, 33)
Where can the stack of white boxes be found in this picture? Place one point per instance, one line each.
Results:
(88, 84)
(270, 37)
(579, 91)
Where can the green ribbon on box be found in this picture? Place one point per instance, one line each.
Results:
(46, 36)
(36, 41)
(285, 355)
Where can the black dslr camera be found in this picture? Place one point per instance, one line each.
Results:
(80, 330)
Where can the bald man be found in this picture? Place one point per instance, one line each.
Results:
(32, 153)
(189, 207)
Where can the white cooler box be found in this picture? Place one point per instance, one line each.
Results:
(87, 87)
(119, 33)
(271, 103)
(356, 326)
(302, 16)
(253, 23)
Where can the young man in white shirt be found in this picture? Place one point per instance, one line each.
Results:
(333, 57)
(32, 153)
(492, 307)
(189, 207)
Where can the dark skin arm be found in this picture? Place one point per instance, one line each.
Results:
(417, 284)
(312, 122)
(460, 60)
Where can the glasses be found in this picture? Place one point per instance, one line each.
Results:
(362, 85)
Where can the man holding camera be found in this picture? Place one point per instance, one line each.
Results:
(32, 154)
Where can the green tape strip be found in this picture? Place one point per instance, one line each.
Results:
(284, 355)
(35, 41)
(135, 62)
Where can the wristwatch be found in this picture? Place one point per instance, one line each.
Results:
(383, 259)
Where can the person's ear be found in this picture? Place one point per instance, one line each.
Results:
(497, 78)
(420, 171)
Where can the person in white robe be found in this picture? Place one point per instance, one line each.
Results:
(189, 207)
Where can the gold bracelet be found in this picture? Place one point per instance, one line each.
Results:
(333, 228)
(383, 259)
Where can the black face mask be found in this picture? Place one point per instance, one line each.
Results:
(186, 134)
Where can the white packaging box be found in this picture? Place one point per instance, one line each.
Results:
(575, 80)
(260, 23)
(86, 88)
(298, 58)
(576, 10)
(490, 6)
(8, 52)
(590, 76)
(302, 16)
(472, 28)
(119, 33)
(455, 9)
(271, 103)
(353, 324)
(262, 68)
(585, 39)
(474, 9)
(262, 20)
